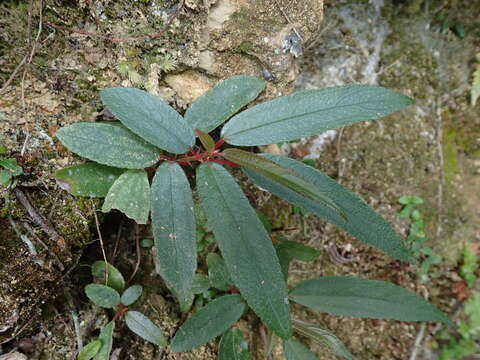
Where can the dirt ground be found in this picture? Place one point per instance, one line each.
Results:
(431, 150)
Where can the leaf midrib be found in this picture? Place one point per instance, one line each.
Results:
(296, 116)
(254, 254)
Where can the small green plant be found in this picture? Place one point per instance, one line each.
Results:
(417, 236)
(153, 135)
(465, 342)
(9, 169)
(105, 293)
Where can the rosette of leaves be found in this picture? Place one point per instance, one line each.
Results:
(109, 292)
(152, 135)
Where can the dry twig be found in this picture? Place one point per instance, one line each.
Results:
(137, 246)
(44, 224)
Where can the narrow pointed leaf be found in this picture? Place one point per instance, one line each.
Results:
(246, 248)
(280, 174)
(218, 104)
(90, 179)
(208, 323)
(89, 350)
(233, 346)
(290, 250)
(311, 112)
(109, 144)
(361, 220)
(293, 350)
(102, 295)
(206, 140)
(150, 118)
(218, 272)
(322, 337)
(106, 337)
(130, 194)
(350, 296)
(145, 328)
(108, 274)
(131, 294)
(174, 230)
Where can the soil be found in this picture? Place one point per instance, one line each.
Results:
(431, 150)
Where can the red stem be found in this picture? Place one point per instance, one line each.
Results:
(219, 143)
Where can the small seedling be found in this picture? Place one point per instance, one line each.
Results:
(105, 293)
(152, 135)
(417, 236)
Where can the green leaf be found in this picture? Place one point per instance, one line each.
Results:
(201, 283)
(282, 175)
(102, 295)
(350, 296)
(145, 328)
(106, 337)
(220, 103)
(362, 221)
(131, 294)
(233, 346)
(209, 322)
(290, 250)
(218, 272)
(173, 223)
(246, 248)
(206, 140)
(115, 277)
(90, 179)
(322, 337)
(130, 194)
(5, 177)
(109, 144)
(11, 166)
(293, 350)
(89, 350)
(150, 118)
(311, 112)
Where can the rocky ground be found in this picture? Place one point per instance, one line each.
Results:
(431, 150)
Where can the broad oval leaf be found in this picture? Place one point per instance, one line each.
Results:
(106, 337)
(290, 250)
(106, 272)
(201, 283)
(131, 294)
(90, 179)
(218, 272)
(311, 112)
(130, 194)
(145, 328)
(220, 103)
(174, 230)
(209, 322)
(246, 248)
(322, 337)
(280, 174)
(233, 346)
(361, 220)
(90, 350)
(109, 144)
(293, 350)
(149, 117)
(102, 295)
(350, 296)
